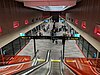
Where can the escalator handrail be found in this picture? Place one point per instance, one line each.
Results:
(34, 68)
(62, 61)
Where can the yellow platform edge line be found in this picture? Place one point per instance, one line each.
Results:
(51, 60)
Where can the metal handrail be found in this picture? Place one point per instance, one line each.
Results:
(62, 61)
(34, 68)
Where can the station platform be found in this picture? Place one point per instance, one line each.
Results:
(71, 49)
(70, 65)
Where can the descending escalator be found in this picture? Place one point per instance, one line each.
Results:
(39, 69)
(55, 68)
(49, 67)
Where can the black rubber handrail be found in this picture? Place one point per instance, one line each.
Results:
(34, 68)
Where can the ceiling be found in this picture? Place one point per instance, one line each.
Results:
(49, 5)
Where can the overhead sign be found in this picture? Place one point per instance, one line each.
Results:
(22, 34)
(76, 35)
(51, 37)
(46, 21)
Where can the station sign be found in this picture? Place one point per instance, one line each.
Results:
(22, 34)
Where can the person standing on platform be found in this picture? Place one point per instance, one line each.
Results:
(48, 27)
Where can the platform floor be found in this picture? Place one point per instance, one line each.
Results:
(71, 49)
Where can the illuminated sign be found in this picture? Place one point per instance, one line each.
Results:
(76, 21)
(83, 24)
(22, 34)
(97, 30)
(62, 21)
(15, 24)
(26, 22)
(76, 35)
(46, 21)
(0, 29)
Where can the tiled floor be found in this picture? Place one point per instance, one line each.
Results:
(71, 49)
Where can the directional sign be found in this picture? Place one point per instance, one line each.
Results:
(50, 37)
(76, 35)
(22, 34)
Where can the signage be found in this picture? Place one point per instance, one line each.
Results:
(97, 30)
(76, 35)
(26, 22)
(83, 24)
(0, 29)
(46, 21)
(22, 34)
(15, 24)
(50, 37)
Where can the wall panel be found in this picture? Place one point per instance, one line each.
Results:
(89, 11)
(11, 11)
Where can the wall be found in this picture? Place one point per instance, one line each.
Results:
(12, 11)
(86, 10)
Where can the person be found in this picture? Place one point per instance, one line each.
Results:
(40, 34)
(48, 27)
(53, 33)
(94, 55)
(53, 26)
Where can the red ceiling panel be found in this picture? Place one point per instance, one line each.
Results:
(46, 3)
(44, 0)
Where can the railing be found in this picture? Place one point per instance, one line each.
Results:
(40, 68)
(65, 70)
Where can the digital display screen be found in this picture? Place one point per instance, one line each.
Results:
(22, 34)
(76, 35)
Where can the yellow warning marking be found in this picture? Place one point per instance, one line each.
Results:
(40, 59)
(55, 60)
(70, 60)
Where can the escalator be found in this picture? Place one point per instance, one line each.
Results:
(47, 67)
(39, 69)
(55, 68)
